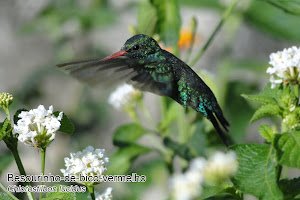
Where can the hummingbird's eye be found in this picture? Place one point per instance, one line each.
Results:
(136, 47)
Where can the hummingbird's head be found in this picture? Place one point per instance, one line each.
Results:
(140, 46)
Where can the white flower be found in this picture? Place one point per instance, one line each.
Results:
(123, 96)
(220, 167)
(188, 185)
(106, 195)
(89, 162)
(183, 188)
(37, 127)
(215, 170)
(285, 66)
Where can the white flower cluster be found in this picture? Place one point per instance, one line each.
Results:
(215, 170)
(106, 195)
(123, 96)
(220, 166)
(37, 126)
(89, 162)
(285, 66)
(188, 185)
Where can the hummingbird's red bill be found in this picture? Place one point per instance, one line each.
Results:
(117, 54)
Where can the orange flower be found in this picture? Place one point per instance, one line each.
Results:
(186, 37)
(185, 40)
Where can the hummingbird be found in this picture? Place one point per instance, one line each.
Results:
(142, 63)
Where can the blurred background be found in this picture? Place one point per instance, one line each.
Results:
(37, 34)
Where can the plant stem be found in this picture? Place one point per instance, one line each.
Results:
(43, 157)
(220, 24)
(169, 161)
(91, 191)
(279, 172)
(131, 111)
(194, 28)
(15, 153)
(7, 192)
(12, 144)
(147, 114)
(296, 87)
(7, 113)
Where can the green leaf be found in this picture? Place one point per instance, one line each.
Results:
(288, 98)
(282, 96)
(59, 195)
(128, 134)
(267, 95)
(4, 196)
(260, 99)
(5, 161)
(16, 118)
(82, 195)
(169, 20)
(147, 18)
(122, 159)
(287, 148)
(273, 20)
(266, 132)
(1, 131)
(211, 190)
(6, 128)
(257, 173)
(290, 188)
(202, 3)
(180, 149)
(66, 124)
(273, 93)
(266, 110)
(223, 191)
(289, 6)
(267, 18)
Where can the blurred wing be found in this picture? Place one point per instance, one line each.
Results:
(156, 79)
(117, 70)
(97, 71)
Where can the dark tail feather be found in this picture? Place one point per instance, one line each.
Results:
(225, 138)
(223, 121)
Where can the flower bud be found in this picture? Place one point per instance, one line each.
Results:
(5, 99)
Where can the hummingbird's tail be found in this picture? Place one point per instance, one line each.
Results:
(223, 121)
(224, 137)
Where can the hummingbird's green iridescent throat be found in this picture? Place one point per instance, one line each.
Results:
(142, 63)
